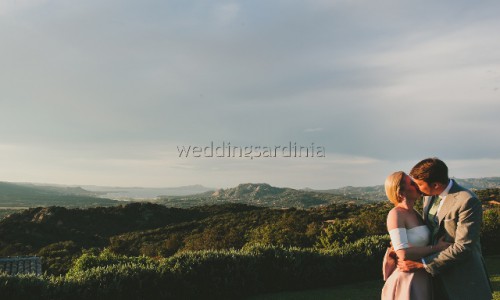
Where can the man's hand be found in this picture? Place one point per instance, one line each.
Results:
(409, 265)
(393, 254)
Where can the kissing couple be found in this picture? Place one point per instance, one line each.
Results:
(436, 255)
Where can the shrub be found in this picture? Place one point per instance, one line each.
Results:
(490, 231)
(339, 233)
(224, 274)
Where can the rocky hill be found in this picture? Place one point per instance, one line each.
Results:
(250, 191)
(263, 194)
(260, 194)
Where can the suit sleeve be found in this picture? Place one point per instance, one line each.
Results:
(468, 226)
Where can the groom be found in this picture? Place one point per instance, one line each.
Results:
(455, 213)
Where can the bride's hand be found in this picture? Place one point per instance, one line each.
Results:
(441, 245)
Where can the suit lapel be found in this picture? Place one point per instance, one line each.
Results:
(445, 208)
(448, 201)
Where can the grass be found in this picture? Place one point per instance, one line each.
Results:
(493, 265)
(369, 289)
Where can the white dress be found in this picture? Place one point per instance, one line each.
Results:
(408, 285)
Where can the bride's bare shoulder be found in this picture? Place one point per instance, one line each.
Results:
(395, 218)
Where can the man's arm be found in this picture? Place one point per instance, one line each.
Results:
(412, 264)
(467, 232)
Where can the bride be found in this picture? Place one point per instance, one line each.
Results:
(410, 239)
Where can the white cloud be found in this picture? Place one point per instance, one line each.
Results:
(12, 6)
(226, 13)
(313, 129)
(97, 88)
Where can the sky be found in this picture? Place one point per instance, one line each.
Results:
(109, 92)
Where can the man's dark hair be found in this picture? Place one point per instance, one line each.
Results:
(430, 170)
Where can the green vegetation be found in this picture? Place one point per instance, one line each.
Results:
(226, 251)
(493, 264)
(490, 194)
(223, 274)
(60, 234)
(490, 230)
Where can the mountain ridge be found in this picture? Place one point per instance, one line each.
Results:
(260, 194)
(27, 195)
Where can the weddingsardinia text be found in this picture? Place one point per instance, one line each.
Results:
(226, 150)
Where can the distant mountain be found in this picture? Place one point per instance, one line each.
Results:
(479, 183)
(370, 193)
(32, 195)
(377, 192)
(260, 194)
(141, 193)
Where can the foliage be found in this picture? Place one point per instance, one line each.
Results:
(57, 257)
(340, 233)
(219, 251)
(490, 231)
(486, 195)
(223, 274)
(59, 235)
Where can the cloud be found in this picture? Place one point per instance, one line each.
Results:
(12, 6)
(226, 13)
(113, 82)
(313, 129)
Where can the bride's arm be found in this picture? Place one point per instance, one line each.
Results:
(414, 253)
(399, 239)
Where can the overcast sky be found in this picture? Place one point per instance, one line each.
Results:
(106, 92)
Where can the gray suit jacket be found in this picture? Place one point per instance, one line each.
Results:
(460, 268)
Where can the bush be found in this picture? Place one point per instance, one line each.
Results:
(490, 231)
(340, 233)
(224, 274)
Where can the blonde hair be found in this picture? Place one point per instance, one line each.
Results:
(393, 185)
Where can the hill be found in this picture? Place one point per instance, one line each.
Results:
(30, 195)
(377, 192)
(370, 193)
(480, 183)
(60, 234)
(141, 193)
(22, 195)
(259, 194)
